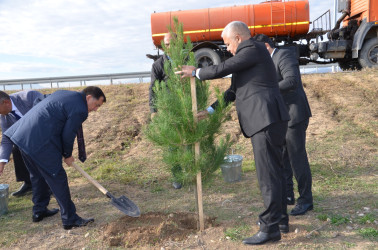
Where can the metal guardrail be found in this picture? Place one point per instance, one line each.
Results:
(313, 68)
(82, 79)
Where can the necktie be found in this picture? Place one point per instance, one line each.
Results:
(81, 145)
(15, 115)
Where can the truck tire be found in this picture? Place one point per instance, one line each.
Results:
(369, 53)
(206, 57)
(349, 65)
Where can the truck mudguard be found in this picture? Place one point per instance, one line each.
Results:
(359, 37)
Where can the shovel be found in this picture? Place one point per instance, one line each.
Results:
(123, 203)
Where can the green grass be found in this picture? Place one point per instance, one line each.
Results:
(114, 167)
(339, 163)
(338, 220)
(367, 218)
(157, 188)
(248, 166)
(12, 224)
(350, 244)
(369, 232)
(322, 217)
(238, 233)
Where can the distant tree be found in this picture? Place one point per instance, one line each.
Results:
(174, 129)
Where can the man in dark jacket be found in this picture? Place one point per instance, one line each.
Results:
(158, 73)
(45, 135)
(12, 108)
(295, 155)
(262, 116)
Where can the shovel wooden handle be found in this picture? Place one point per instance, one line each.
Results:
(93, 181)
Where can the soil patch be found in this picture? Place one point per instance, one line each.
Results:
(152, 228)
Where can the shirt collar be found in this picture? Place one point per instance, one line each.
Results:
(271, 55)
(14, 108)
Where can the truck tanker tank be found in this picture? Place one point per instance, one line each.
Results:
(272, 18)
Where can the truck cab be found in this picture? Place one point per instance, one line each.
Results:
(355, 44)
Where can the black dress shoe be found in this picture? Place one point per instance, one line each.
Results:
(284, 228)
(39, 216)
(261, 238)
(78, 223)
(24, 190)
(300, 209)
(290, 200)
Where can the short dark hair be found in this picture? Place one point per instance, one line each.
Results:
(265, 39)
(94, 91)
(3, 96)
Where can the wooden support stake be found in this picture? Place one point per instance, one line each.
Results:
(197, 155)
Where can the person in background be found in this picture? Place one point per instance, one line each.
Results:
(262, 116)
(295, 155)
(158, 74)
(45, 135)
(12, 108)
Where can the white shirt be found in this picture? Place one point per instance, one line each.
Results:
(271, 55)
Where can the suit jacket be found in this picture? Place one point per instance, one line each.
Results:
(47, 132)
(24, 102)
(290, 84)
(254, 87)
(157, 74)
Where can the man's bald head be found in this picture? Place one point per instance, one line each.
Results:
(237, 28)
(235, 33)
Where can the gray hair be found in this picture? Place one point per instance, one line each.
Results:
(236, 28)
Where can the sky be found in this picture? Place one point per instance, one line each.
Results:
(52, 38)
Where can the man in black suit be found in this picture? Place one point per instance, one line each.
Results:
(12, 108)
(45, 135)
(262, 116)
(295, 155)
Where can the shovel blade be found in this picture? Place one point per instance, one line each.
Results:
(126, 206)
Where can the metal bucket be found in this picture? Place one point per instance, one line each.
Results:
(231, 168)
(4, 195)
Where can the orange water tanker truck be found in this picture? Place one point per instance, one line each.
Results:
(354, 45)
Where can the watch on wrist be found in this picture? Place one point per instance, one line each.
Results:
(194, 72)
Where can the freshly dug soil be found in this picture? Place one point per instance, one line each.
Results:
(152, 228)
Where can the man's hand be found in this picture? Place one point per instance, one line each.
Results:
(2, 164)
(186, 71)
(202, 115)
(153, 115)
(69, 160)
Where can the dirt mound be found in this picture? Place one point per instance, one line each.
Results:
(152, 229)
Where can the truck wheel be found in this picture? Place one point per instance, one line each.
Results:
(349, 65)
(206, 57)
(369, 53)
